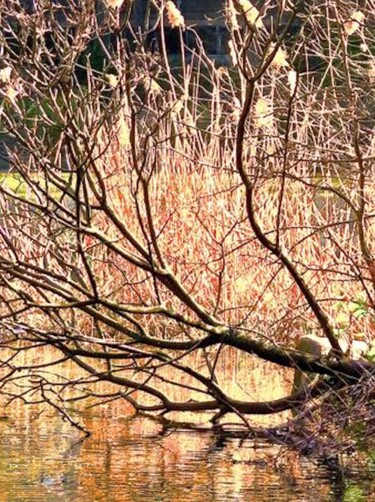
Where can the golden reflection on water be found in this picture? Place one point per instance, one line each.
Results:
(133, 459)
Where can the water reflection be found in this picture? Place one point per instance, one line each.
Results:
(135, 459)
(130, 459)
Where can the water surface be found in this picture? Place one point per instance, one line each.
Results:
(133, 459)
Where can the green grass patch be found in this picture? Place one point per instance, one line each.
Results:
(14, 182)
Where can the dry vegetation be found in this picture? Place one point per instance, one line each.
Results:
(168, 211)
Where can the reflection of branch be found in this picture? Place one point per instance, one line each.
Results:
(63, 412)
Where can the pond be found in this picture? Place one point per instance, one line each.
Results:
(133, 458)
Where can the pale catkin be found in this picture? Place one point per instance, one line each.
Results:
(114, 4)
(263, 113)
(112, 79)
(174, 16)
(355, 21)
(231, 15)
(280, 57)
(11, 93)
(236, 110)
(5, 74)
(251, 13)
(178, 106)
